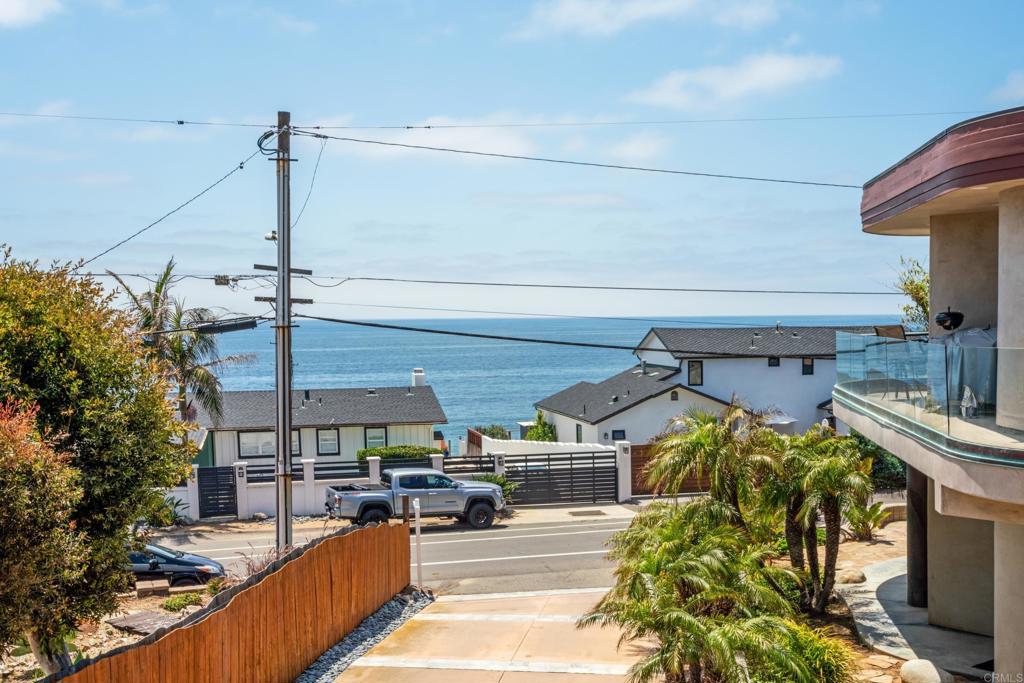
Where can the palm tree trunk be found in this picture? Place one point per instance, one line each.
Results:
(833, 521)
(182, 402)
(794, 532)
(696, 674)
(813, 570)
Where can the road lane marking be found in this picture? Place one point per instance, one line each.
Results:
(471, 597)
(555, 618)
(512, 538)
(403, 662)
(513, 557)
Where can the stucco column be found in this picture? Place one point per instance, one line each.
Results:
(499, 463)
(917, 538)
(309, 486)
(437, 462)
(373, 463)
(964, 268)
(192, 486)
(1009, 386)
(1009, 600)
(242, 489)
(624, 465)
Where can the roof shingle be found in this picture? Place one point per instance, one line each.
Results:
(787, 342)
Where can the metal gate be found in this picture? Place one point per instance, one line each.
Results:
(590, 477)
(217, 492)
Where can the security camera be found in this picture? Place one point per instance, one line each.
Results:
(271, 236)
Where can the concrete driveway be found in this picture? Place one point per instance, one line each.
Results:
(527, 637)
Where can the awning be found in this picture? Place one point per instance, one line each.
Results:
(826, 406)
(780, 419)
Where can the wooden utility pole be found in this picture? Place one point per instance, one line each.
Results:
(283, 335)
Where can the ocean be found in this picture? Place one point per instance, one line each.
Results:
(478, 381)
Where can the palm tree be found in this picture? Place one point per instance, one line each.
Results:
(834, 479)
(190, 358)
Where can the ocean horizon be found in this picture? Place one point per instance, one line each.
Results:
(478, 381)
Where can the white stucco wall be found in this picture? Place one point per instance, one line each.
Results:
(565, 428)
(350, 440)
(522, 447)
(648, 419)
(655, 357)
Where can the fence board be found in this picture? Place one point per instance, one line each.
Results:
(641, 457)
(273, 629)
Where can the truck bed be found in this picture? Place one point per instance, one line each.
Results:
(361, 487)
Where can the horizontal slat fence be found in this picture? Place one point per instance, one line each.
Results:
(349, 469)
(395, 463)
(469, 465)
(273, 626)
(641, 457)
(589, 477)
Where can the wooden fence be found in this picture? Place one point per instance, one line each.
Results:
(273, 626)
(640, 457)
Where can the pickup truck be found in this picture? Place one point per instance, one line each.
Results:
(439, 495)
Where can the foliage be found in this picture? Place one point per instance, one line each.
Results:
(215, 585)
(542, 430)
(190, 357)
(40, 546)
(864, 519)
(177, 603)
(397, 452)
(828, 659)
(495, 431)
(165, 511)
(507, 487)
(781, 545)
(887, 471)
(913, 280)
(102, 400)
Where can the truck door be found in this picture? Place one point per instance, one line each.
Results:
(414, 486)
(443, 496)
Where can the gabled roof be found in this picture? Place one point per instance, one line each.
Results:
(787, 342)
(592, 403)
(339, 407)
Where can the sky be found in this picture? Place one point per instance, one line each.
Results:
(72, 188)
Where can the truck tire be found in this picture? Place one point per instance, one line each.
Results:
(373, 516)
(480, 515)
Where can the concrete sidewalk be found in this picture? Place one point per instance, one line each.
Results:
(507, 637)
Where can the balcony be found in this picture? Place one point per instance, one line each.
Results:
(942, 395)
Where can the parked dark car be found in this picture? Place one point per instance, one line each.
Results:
(180, 569)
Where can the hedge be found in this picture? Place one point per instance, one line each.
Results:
(397, 452)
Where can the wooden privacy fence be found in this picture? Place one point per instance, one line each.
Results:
(641, 456)
(273, 626)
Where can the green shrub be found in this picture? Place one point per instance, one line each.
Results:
(782, 547)
(887, 471)
(397, 452)
(165, 511)
(542, 430)
(863, 520)
(494, 431)
(176, 603)
(507, 487)
(215, 585)
(829, 659)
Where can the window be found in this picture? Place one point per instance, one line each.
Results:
(808, 366)
(262, 444)
(773, 361)
(414, 482)
(436, 481)
(619, 434)
(695, 373)
(674, 396)
(327, 442)
(579, 433)
(376, 437)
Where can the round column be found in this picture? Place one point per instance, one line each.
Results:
(1010, 339)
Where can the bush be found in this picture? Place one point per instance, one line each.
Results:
(507, 487)
(864, 520)
(887, 471)
(829, 659)
(166, 511)
(397, 452)
(176, 603)
(542, 430)
(782, 547)
(494, 431)
(215, 585)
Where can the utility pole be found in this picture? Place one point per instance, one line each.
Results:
(283, 336)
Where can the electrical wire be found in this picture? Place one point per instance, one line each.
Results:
(508, 338)
(570, 162)
(179, 207)
(126, 119)
(312, 182)
(656, 122)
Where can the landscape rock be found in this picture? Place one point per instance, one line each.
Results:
(851, 576)
(923, 671)
(259, 516)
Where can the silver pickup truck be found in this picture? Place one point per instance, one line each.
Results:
(439, 495)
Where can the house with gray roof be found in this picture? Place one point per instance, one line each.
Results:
(329, 425)
(787, 371)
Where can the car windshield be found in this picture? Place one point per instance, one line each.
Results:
(161, 550)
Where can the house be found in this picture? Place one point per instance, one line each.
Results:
(952, 407)
(787, 370)
(329, 425)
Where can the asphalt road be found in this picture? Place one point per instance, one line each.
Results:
(458, 559)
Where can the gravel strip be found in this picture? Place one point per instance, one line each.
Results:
(370, 631)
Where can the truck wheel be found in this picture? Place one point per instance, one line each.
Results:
(480, 516)
(373, 516)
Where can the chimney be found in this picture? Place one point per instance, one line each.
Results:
(419, 379)
(643, 367)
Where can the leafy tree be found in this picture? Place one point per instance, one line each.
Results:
(39, 548)
(542, 430)
(913, 280)
(887, 471)
(191, 358)
(495, 431)
(101, 398)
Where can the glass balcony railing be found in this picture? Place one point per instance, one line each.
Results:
(940, 392)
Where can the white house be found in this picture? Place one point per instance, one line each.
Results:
(789, 371)
(329, 425)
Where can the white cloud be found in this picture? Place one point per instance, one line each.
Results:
(16, 13)
(608, 17)
(640, 148)
(707, 86)
(1012, 90)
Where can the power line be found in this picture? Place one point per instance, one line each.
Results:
(508, 338)
(312, 182)
(569, 162)
(126, 119)
(655, 122)
(179, 207)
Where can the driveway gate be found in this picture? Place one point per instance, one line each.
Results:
(590, 477)
(217, 492)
